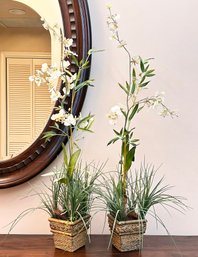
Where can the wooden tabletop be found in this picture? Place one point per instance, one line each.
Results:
(42, 246)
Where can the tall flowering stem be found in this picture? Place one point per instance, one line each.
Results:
(138, 79)
(65, 121)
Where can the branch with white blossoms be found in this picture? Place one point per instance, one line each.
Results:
(157, 102)
(65, 119)
(139, 77)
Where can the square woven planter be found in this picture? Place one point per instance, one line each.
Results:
(69, 236)
(127, 235)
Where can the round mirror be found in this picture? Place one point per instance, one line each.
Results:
(26, 161)
(24, 108)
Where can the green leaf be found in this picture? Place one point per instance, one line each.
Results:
(135, 140)
(73, 161)
(81, 62)
(142, 65)
(134, 111)
(75, 60)
(149, 71)
(133, 87)
(85, 65)
(83, 84)
(65, 155)
(124, 113)
(63, 181)
(112, 141)
(127, 86)
(150, 75)
(134, 73)
(85, 119)
(143, 79)
(130, 157)
(146, 67)
(91, 51)
(140, 108)
(123, 88)
(86, 123)
(144, 84)
(47, 135)
(86, 130)
(116, 132)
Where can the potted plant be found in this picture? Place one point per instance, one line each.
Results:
(131, 195)
(69, 198)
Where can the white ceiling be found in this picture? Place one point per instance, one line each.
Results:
(8, 20)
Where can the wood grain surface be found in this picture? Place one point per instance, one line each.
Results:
(42, 246)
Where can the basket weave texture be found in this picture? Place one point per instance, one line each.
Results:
(69, 236)
(127, 235)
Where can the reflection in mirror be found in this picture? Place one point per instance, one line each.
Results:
(73, 18)
(24, 107)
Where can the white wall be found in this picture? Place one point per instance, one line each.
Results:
(165, 30)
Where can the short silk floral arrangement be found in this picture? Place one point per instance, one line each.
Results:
(133, 194)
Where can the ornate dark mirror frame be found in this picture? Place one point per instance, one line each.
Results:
(40, 154)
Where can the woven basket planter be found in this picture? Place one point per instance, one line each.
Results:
(127, 235)
(69, 236)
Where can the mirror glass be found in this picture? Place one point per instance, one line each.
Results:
(72, 17)
(24, 107)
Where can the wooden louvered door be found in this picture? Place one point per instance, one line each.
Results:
(27, 106)
(42, 105)
(19, 104)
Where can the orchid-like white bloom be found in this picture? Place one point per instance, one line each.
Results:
(109, 6)
(113, 26)
(72, 78)
(114, 114)
(166, 112)
(159, 98)
(54, 75)
(116, 109)
(116, 17)
(31, 78)
(112, 23)
(156, 101)
(54, 95)
(65, 64)
(68, 42)
(44, 67)
(70, 82)
(70, 120)
(65, 90)
(60, 116)
(37, 79)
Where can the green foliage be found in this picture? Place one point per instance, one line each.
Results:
(72, 163)
(83, 84)
(139, 75)
(111, 193)
(130, 157)
(144, 192)
(71, 197)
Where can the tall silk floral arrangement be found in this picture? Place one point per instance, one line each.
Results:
(64, 119)
(72, 186)
(139, 75)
